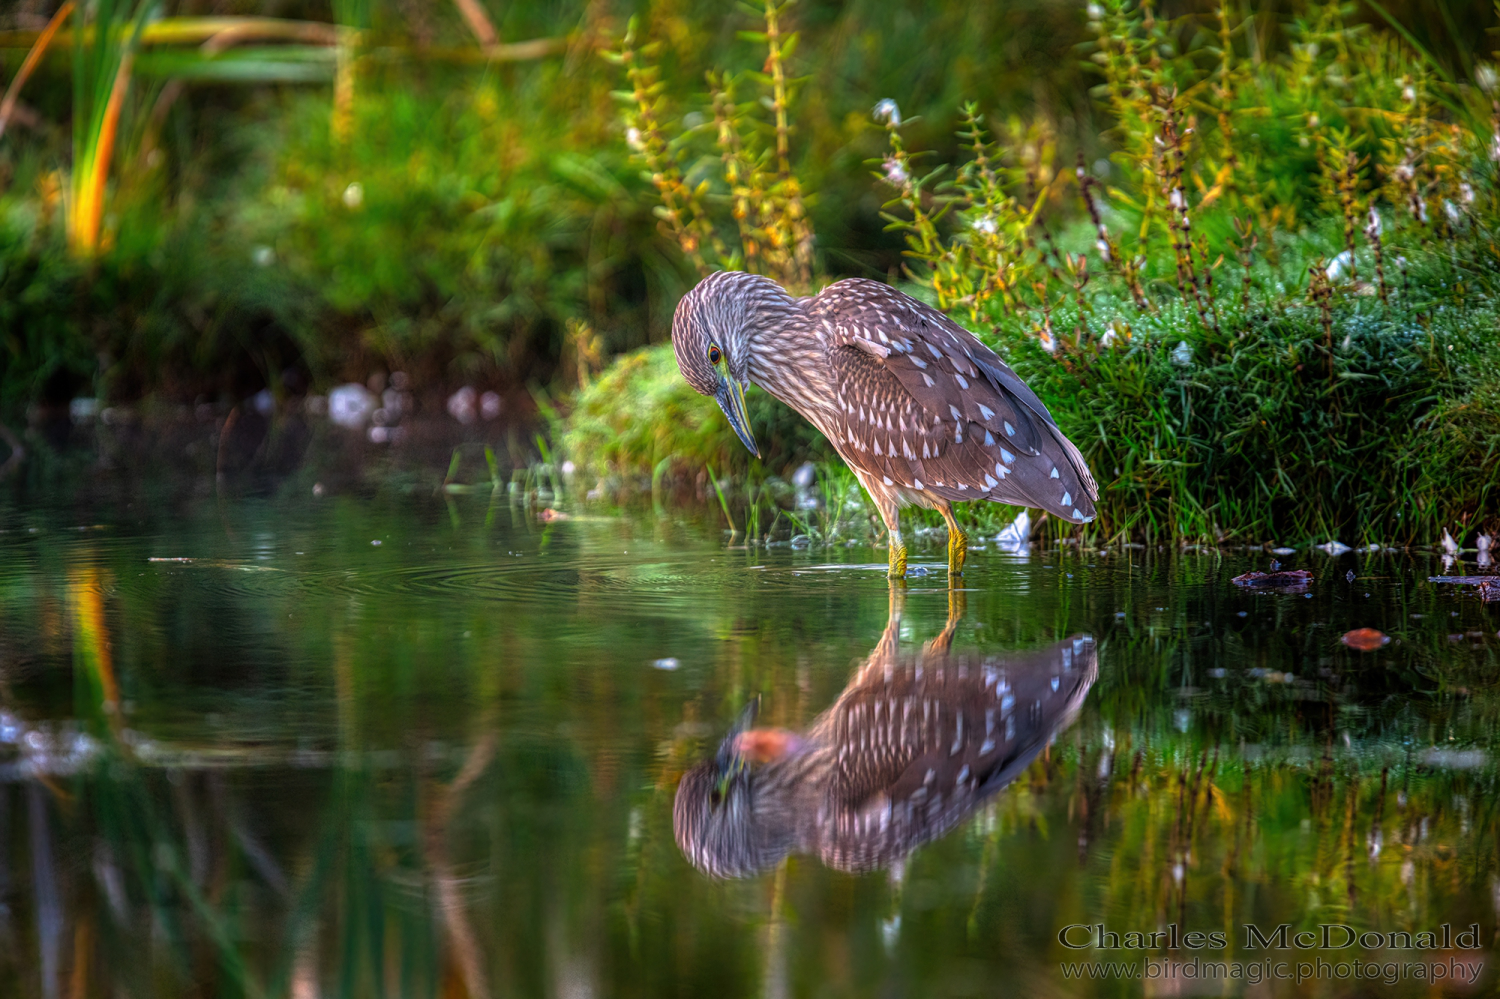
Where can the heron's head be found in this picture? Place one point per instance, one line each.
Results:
(714, 333)
(715, 819)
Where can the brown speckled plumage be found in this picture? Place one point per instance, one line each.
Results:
(910, 748)
(922, 411)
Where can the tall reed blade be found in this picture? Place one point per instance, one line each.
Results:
(102, 62)
(28, 66)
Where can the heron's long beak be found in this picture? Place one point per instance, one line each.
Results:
(731, 399)
(729, 760)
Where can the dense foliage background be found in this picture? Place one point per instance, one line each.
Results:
(497, 197)
(473, 194)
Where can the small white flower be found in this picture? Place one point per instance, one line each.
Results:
(1339, 266)
(985, 224)
(1374, 228)
(895, 172)
(263, 256)
(1495, 148)
(633, 139)
(1103, 247)
(1404, 172)
(354, 195)
(1096, 12)
(1455, 215)
(1182, 354)
(1049, 342)
(887, 113)
(1466, 192)
(1313, 121)
(1485, 77)
(1409, 94)
(1176, 199)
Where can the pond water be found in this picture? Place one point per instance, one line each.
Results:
(386, 742)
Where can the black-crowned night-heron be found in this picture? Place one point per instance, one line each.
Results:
(912, 746)
(922, 412)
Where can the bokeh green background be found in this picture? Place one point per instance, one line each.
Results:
(497, 198)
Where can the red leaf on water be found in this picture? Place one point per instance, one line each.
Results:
(1365, 639)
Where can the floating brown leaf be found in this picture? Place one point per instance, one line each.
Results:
(1291, 581)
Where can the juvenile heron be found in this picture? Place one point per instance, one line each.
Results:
(911, 747)
(921, 411)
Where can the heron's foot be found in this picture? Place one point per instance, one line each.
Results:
(958, 551)
(898, 561)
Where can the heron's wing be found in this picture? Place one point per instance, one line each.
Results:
(921, 744)
(987, 435)
(885, 431)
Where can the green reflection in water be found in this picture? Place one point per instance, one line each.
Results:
(302, 764)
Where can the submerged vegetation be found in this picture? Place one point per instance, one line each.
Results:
(1271, 312)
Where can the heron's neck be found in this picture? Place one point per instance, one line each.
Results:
(792, 796)
(789, 359)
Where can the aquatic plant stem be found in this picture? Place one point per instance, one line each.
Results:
(723, 502)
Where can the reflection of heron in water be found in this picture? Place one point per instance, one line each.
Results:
(911, 747)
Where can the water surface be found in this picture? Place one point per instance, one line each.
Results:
(389, 742)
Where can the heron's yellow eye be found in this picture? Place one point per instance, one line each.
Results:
(714, 354)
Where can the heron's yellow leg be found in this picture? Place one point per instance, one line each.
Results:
(891, 514)
(958, 542)
(897, 557)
